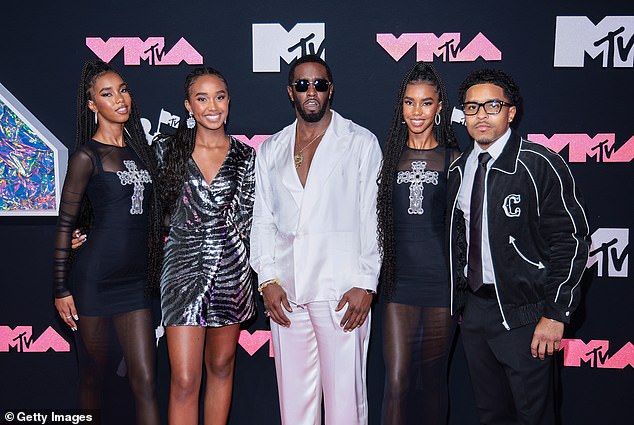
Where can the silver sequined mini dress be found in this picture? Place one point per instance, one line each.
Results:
(206, 278)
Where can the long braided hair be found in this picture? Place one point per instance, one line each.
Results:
(180, 146)
(86, 128)
(396, 141)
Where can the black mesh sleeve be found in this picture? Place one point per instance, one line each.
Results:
(80, 168)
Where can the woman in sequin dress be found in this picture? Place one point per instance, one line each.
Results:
(207, 180)
(417, 324)
(109, 186)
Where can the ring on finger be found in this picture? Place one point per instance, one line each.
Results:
(68, 317)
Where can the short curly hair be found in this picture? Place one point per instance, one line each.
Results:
(492, 76)
(308, 59)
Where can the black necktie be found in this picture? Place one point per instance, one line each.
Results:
(474, 265)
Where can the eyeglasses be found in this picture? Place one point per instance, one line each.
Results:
(319, 84)
(491, 107)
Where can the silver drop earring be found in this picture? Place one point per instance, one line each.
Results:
(96, 118)
(191, 122)
(437, 119)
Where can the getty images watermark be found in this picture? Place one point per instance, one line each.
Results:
(49, 416)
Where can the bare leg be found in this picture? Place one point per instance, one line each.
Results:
(185, 345)
(220, 356)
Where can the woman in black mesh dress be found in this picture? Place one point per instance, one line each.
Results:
(417, 324)
(109, 187)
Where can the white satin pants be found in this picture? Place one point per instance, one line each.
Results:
(314, 356)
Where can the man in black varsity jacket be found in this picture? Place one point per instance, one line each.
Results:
(518, 248)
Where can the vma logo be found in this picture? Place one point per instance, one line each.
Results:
(595, 354)
(152, 50)
(21, 340)
(582, 146)
(612, 38)
(610, 250)
(272, 42)
(447, 47)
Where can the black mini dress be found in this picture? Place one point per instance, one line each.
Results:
(109, 272)
(419, 205)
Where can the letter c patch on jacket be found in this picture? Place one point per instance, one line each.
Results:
(510, 205)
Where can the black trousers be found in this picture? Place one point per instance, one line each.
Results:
(510, 386)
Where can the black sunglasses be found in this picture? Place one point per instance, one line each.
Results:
(319, 84)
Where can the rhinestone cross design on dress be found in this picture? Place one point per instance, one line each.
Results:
(137, 178)
(417, 177)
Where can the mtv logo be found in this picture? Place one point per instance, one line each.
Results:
(601, 147)
(272, 42)
(166, 118)
(457, 116)
(613, 38)
(610, 250)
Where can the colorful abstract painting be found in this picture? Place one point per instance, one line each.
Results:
(32, 161)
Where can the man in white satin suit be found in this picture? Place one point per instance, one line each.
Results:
(314, 248)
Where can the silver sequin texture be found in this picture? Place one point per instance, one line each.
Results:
(206, 279)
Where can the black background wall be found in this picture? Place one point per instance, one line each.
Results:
(41, 54)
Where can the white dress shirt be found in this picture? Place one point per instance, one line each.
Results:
(464, 201)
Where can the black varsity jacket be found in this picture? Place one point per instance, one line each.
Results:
(538, 233)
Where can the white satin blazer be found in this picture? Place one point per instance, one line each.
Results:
(319, 240)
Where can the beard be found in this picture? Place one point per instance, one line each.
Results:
(313, 116)
(484, 142)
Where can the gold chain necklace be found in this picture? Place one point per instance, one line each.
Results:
(299, 157)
